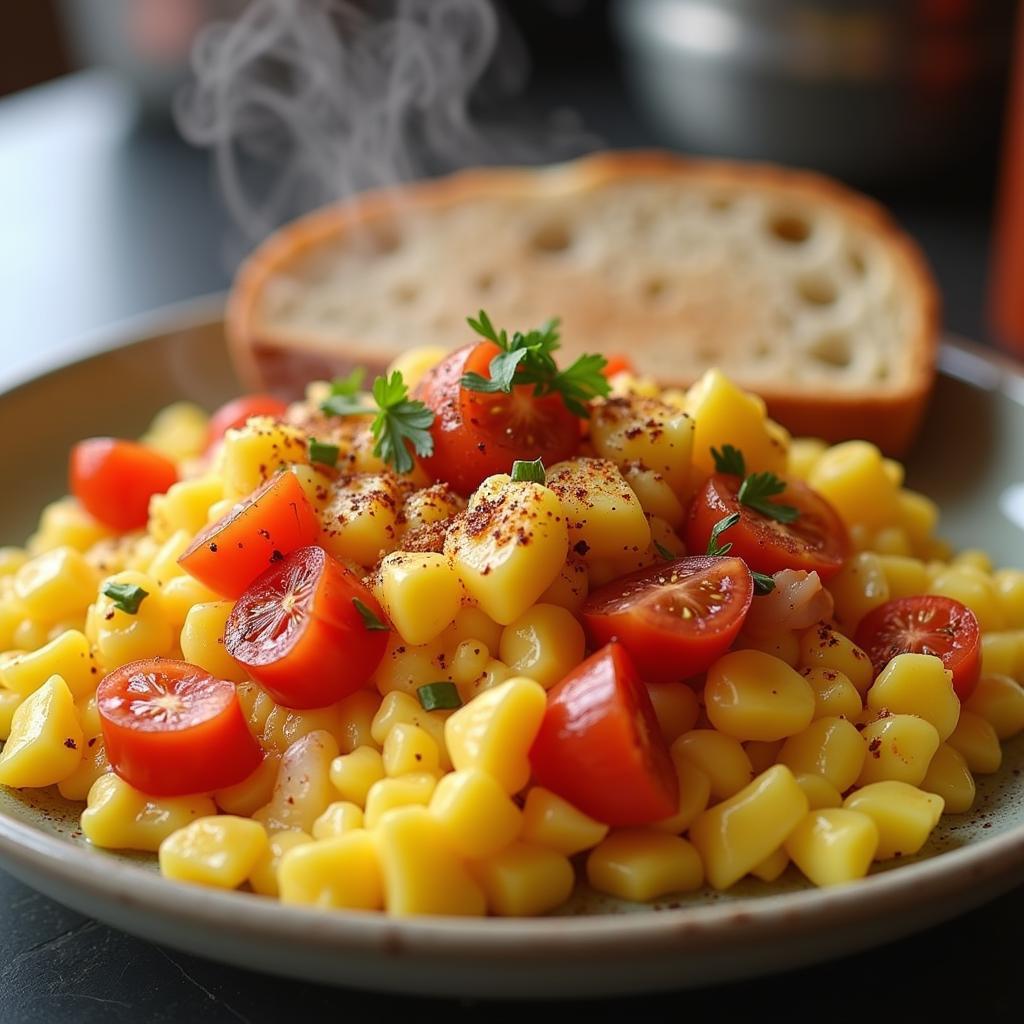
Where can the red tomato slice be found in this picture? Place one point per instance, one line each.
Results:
(299, 632)
(816, 541)
(600, 746)
(927, 624)
(170, 728)
(676, 618)
(477, 435)
(234, 414)
(618, 363)
(115, 479)
(230, 553)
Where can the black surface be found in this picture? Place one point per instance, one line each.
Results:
(100, 219)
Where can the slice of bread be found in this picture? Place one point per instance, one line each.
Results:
(798, 288)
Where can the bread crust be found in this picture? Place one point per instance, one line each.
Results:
(269, 359)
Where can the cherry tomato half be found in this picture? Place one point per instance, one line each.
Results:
(477, 435)
(299, 632)
(816, 541)
(618, 363)
(230, 553)
(234, 414)
(170, 728)
(927, 624)
(115, 479)
(600, 746)
(675, 618)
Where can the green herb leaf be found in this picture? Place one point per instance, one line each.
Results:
(370, 620)
(758, 488)
(714, 548)
(401, 421)
(669, 556)
(502, 370)
(763, 584)
(529, 472)
(398, 420)
(126, 596)
(324, 453)
(729, 460)
(581, 381)
(346, 405)
(527, 359)
(349, 384)
(438, 696)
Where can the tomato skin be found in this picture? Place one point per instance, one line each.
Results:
(297, 631)
(618, 363)
(114, 480)
(204, 745)
(638, 611)
(815, 542)
(274, 521)
(600, 746)
(925, 624)
(234, 414)
(477, 435)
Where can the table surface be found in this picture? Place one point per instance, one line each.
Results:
(103, 218)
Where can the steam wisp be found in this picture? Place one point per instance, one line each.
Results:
(306, 101)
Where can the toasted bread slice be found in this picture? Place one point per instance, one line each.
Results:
(798, 288)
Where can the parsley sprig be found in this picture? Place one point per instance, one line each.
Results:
(757, 489)
(399, 422)
(528, 359)
(729, 460)
(714, 548)
(763, 583)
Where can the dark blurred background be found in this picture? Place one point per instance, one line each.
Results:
(106, 212)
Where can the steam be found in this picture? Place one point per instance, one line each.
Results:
(306, 101)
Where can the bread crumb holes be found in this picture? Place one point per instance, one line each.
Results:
(816, 290)
(832, 350)
(789, 227)
(551, 238)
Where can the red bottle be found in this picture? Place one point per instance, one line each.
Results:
(1008, 265)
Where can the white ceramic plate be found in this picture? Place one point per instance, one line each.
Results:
(969, 458)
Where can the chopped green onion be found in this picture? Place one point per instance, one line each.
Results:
(669, 556)
(324, 453)
(370, 620)
(439, 697)
(528, 472)
(126, 596)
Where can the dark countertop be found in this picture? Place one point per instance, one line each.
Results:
(103, 219)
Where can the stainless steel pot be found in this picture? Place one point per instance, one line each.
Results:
(867, 89)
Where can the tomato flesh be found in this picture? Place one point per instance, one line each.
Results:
(477, 435)
(170, 728)
(114, 480)
(674, 619)
(816, 541)
(274, 521)
(234, 414)
(926, 624)
(298, 632)
(600, 746)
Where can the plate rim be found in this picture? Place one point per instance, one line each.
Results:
(705, 927)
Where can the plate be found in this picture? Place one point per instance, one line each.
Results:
(968, 458)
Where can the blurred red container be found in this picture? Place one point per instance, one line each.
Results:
(1008, 278)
